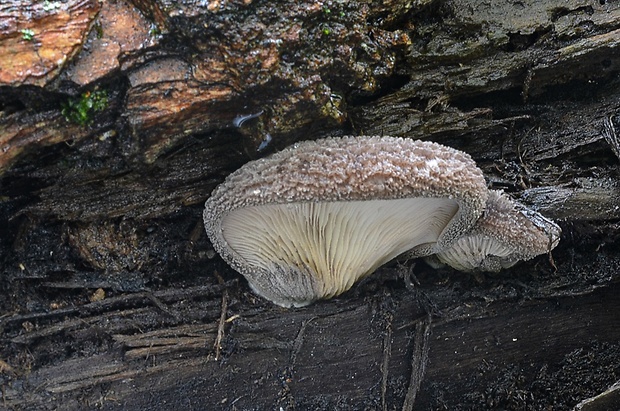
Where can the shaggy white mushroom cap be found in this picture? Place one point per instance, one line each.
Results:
(507, 233)
(308, 222)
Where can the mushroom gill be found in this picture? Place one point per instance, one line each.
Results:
(308, 222)
(507, 233)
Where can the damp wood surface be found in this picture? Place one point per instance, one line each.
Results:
(114, 133)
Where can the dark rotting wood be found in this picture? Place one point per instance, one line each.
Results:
(419, 359)
(109, 296)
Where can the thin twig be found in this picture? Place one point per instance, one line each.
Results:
(162, 307)
(217, 345)
(387, 353)
(609, 132)
(299, 341)
(286, 400)
(419, 358)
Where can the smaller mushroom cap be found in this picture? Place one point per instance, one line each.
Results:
(508, 232)
(307, 222)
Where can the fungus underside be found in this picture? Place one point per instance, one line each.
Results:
(335, 242)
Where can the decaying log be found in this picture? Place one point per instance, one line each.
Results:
(590, 199)
(118, 118)
(38, 39)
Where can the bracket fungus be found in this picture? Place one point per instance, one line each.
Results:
(307, 222)
(507, 233)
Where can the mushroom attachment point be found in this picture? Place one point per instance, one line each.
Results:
(306, 223)
(507, 233)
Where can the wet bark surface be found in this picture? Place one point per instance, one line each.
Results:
(114, 134)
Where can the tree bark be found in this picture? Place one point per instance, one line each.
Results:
(119, 118)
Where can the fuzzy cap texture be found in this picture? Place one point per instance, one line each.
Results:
(508, 232)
